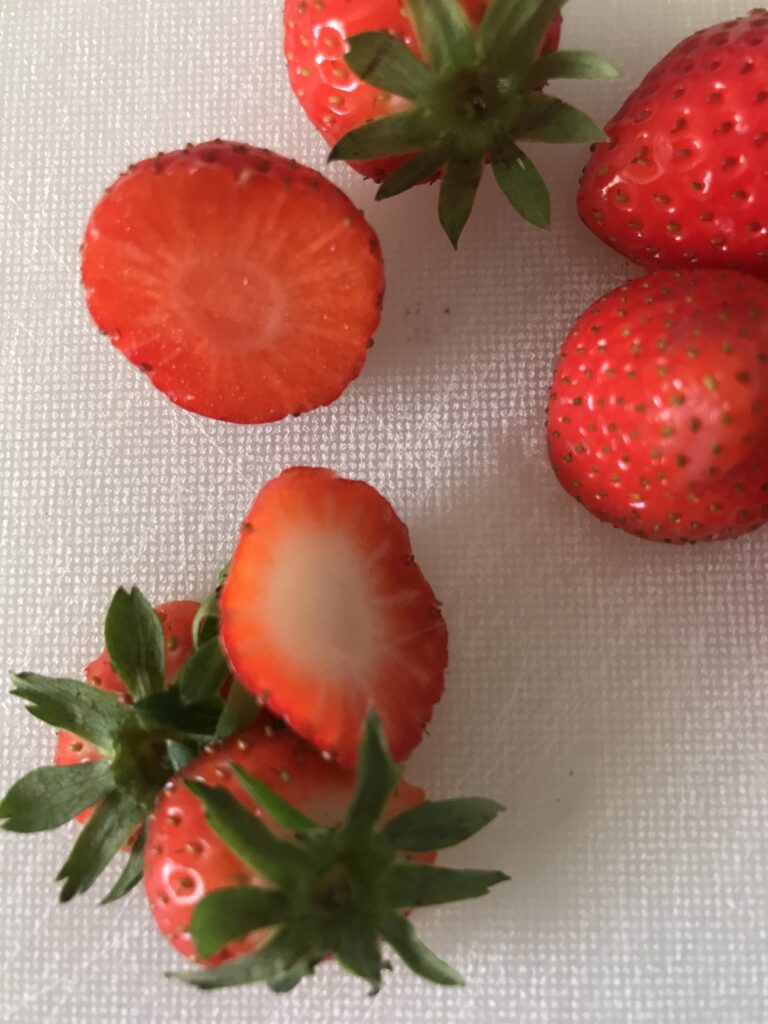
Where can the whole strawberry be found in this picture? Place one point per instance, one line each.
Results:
(409, 92)
(149, 704)
(263, 860)
(682, 180)
(658, 416)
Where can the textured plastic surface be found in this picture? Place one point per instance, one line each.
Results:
(611, 693)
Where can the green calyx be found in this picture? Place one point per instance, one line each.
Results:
(475, 95)
(141, 743)
(334, 892)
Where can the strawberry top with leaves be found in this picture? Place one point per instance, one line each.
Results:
(682, 181)
(177, 619)
(295, 861)
(134, 729)
(658, 416)
(447, 85)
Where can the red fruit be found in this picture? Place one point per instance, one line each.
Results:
(177, 618)
(658, 418)
(245, 286)
(681, 183)
(325, 613)
(185, 860)
(409, 93)
(333, 97)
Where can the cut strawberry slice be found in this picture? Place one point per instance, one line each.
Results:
(325, 613)
(246, 286)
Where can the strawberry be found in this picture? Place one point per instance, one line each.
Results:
(177, 618)
(147, 707)
(245, 286)
(682, 181)
(325, 612)
(263, 859)
(408, 92)
(658, 417)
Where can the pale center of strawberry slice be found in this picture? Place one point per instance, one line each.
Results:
(322, 605)
(234, 302)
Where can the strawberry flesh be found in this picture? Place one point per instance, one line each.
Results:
(658, 416)
(325, 613)
(245, 286)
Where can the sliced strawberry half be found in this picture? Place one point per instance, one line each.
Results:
(325, 613)
(245, 286)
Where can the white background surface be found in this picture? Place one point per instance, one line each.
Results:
(611, 693)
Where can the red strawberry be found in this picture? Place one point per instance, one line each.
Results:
(334, 98)
(325, 613)
(176, 618)
(184, 860)
(263, 859)
(407, 92)
(682, 180)
(658, 418)
(246, 286)
(160, 694)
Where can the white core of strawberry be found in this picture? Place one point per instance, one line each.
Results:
(236, 301)
(323, 607)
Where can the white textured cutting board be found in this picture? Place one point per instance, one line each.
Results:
(612, 694)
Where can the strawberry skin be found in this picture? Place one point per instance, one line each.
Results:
(184, 860)
(176, 618)
(325, 613)
(658, 416)
(334, 99)
(682, 181)
(245, 286)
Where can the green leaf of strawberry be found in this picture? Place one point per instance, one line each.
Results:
(377, 777)
(134, 639)
(251, 840)
(278, 809)
(132, 873)
(571, 64)
(112, 825)
(440, 824)
(444, 32)
(51, 796)
(281, 955)
(74, 706)
(387, 63)
(401, 936)
(229, 914)
(420, 885)
(240, 711)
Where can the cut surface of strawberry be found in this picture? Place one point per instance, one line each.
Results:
(247, 287)
(325, 613)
